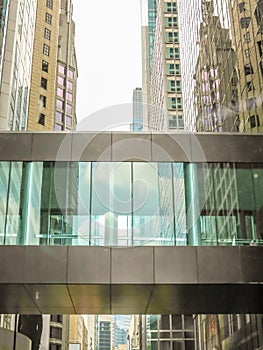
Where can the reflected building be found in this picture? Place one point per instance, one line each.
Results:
(216, 97)
(246, 27)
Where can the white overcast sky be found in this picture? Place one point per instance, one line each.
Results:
(108, 46)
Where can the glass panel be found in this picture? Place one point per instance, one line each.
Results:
(59, 117)
(146, 220)
(61, 80)
(111, 204)
(131, 203)
(60, 92)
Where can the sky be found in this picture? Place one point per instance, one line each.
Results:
(108, 47)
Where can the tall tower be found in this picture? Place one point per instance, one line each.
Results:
(16, 52)
(54, 77)
(137, 110)
(165, 103)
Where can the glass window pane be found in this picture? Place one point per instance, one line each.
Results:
(111, 204)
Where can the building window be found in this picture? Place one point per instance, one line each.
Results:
(49, 4)
(46, 50)
(248, 69)
(249, 86)
(41, 119)
(60, 81)
(69, 97)
(175, 103)
(247, 52)
(242, 6)
(172, 52)
(254, 121)
(244, 22)
(60, 92)
(47, 34)
(251, 103)
(59, 104)
(44, 83)
(70, 85)
(61, 69)
(59, 117)
(247, 37)
(172, 37)
(69, 121)
(58, 127)
(70, 74)
(170, 7)
(48, 18)
(171, 22)
(45, 66)
(68, 108)
(43, 100)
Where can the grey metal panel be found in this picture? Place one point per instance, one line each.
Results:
(175, 265)
(88, 265)
(15, 299)
(219, 288)
(167, 147)
(131, 299)
(91, 147)
(218, 265)
(50, 296)
(131, 147)
(12, 266)
(40, 146)
(45, 264)
(15, 146)
(251, 264)
(90, 299)
(225, 147)
(132, 265)
(52, 146)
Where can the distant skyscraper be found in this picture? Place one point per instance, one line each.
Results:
(164, 86)
(137, 110)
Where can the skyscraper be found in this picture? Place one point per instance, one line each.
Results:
(38, 67)
(137, 110)
(164, 84)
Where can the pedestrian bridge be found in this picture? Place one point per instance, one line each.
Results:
(121, 223)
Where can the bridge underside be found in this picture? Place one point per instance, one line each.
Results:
(137, 280)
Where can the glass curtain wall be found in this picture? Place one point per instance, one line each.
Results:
(130, 203)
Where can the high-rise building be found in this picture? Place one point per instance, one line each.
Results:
(38, 67)
(163, 78)
(54, 73)
(137, 105)
(17, 37)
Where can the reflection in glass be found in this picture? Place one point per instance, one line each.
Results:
(131, 203)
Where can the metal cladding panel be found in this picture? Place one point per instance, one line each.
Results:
(131, 147)
(175, 265)
(16, 146)
(139, 284)
(118, 147)
(51, 146)
(218, 265)
(167, 147)
(91, 268)
(91, 147)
